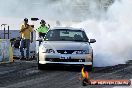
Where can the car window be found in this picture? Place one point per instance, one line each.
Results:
(66, 35)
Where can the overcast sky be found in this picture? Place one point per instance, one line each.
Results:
(49, 9)
(13, 11)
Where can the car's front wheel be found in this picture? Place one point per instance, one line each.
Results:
(40, 66)
(89, 67)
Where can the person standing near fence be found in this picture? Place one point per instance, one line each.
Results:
(25, 32)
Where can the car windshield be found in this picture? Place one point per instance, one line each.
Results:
(66, 35)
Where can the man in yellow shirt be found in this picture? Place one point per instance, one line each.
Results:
(25, 32)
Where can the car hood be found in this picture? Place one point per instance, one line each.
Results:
(65, 45)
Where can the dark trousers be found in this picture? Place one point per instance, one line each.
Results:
(25, 43)
(41, 34)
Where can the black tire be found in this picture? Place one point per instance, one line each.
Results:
(92, 62)
(40, 66)
(88, 68)
(43, 67)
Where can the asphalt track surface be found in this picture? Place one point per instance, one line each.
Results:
(25, 74)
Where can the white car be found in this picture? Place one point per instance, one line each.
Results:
(66, 46)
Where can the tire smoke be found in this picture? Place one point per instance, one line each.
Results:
(113, 34)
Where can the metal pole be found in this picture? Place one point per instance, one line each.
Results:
(8, 32)
(4, 31)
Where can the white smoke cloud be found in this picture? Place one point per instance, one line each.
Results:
(49, 9)
(13, 11)
(113, 35)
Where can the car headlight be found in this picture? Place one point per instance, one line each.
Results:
(81, 52)
(45, 50)
(50, 51)
(85, 51)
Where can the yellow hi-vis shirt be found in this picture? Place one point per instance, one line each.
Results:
(26, 33)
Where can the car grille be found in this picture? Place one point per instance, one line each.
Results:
(65, 51)
(64, 60)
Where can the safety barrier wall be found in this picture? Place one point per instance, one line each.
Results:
(6, 51)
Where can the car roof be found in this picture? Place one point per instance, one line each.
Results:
(69, 28)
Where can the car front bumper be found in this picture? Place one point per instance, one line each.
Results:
(69, 59)
(68, 63)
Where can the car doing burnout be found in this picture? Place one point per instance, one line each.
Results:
(66, 46)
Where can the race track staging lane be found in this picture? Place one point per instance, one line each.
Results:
(24, 74)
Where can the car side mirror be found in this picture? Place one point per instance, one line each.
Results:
(92, 41)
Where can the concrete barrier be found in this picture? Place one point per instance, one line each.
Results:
(6, 51)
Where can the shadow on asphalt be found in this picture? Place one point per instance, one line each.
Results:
(63, 68)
